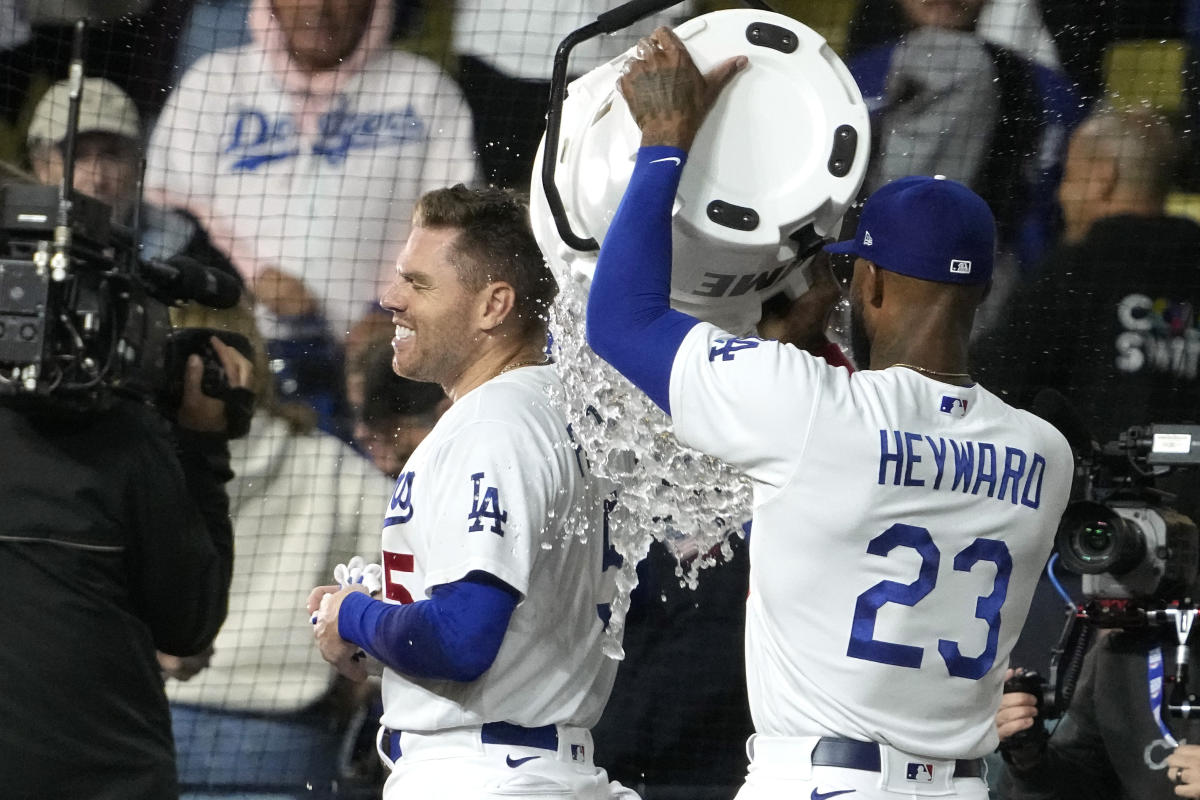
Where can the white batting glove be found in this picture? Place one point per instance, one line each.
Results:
(358, 571)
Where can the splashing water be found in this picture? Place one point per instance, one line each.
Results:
(666, 491)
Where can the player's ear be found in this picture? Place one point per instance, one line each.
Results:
(873, 281)
(496, 303)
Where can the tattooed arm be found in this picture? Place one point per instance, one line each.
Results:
(630, 323)
(666, 93)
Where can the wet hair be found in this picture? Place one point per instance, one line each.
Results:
(495, 243)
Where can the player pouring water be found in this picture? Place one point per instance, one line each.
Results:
(902, 513)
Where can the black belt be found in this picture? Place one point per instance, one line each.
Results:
(853, 754)
(545, 737)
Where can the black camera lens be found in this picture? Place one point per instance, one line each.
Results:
(1093, 538)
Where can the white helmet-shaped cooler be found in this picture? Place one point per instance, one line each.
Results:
(775, 166)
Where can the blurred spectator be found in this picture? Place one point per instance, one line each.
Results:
(1018, 25)
(107, 147)
(1111, 320)
(220, 24)
(267, 717)
(506, 57)
(372, 332)
(302, 153)
(108, 153)
(946, 101)
(396, 413)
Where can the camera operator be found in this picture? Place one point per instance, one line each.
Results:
(115, 541)
(1117, 740)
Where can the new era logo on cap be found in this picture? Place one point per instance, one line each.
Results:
(924, 225)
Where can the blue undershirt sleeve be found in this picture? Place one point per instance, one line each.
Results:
(630, 322)
(454, 635)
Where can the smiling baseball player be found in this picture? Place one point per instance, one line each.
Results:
(902, 513)
(495, 539)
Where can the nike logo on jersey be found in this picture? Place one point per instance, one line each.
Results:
(516, 762)
(667, 158)
(816, 795)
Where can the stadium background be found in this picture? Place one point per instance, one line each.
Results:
(678, 716)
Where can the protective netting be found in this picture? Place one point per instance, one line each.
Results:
(286, 141)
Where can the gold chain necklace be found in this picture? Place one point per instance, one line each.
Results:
(926, 371)
(533, 362)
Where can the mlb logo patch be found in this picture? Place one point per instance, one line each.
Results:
(960, 266)
(917, 771)
(578, 753)
(954, 406)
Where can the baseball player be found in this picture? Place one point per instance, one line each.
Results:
(902, 513)
(494, 541)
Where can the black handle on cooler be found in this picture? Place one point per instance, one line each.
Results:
(610, 21)
(626, 14)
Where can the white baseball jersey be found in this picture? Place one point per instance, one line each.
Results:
(900, 525)
(332, 207)
(500, 486)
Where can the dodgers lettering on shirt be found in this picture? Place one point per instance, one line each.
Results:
(944, 464)
(257, 138)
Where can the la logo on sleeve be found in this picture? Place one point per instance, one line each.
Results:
(486, 505)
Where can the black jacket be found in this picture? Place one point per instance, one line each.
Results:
(1111, 323)
(115, 541)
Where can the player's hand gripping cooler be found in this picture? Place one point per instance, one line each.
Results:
(774, 168)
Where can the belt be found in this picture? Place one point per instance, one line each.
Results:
(853, 754)
(504, 733)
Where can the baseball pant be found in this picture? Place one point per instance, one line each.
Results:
(816, 768)
(465, 764)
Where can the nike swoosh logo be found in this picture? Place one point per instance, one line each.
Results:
(516, 762)
(667, 158)
(823, 795)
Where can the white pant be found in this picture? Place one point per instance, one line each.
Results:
(457, 765)
(781, 769)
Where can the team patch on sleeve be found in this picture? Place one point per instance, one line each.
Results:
(726, 349)
(485, 505)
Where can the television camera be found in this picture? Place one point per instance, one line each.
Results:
(1138, 558)
(83, 318)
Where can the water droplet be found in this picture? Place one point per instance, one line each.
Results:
(665, 487)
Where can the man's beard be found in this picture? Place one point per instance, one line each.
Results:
(860, 343)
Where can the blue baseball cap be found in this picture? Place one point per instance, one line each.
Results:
(935, 229)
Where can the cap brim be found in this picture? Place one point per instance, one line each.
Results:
(849, 247)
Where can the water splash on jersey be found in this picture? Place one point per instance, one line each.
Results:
(666, 491)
